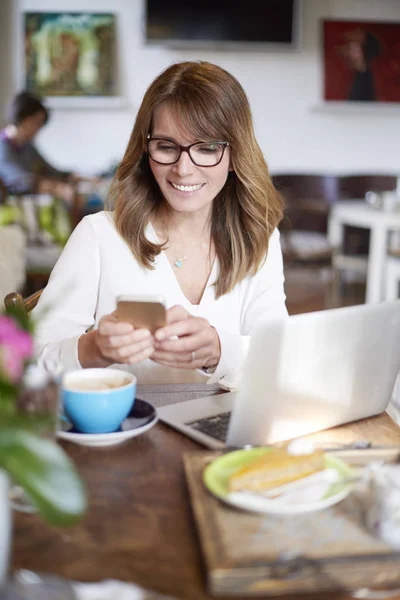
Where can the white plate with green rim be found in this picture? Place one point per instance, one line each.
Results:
(334, 476)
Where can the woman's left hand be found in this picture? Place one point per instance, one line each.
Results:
(195, 346)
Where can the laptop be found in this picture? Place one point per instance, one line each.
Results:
(302, 374)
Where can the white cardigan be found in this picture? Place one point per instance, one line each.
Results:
(97, 265)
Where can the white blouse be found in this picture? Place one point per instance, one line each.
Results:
(97, 265)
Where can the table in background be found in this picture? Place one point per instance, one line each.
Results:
(139, 527)
(359, 214)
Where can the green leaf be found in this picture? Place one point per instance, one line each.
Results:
(8, 391)
(46, 474)
(33, 422)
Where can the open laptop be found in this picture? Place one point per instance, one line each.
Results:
(302, 374)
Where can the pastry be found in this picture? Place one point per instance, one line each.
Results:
(273, 469)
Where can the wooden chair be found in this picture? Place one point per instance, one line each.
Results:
(304, 240)
(355, 186)
(307, 199)
(15, 300)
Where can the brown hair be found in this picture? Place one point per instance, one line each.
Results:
(24, 105)
(212, 105)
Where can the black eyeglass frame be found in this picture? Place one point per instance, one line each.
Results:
(185, 149)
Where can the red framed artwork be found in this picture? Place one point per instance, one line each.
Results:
(361, 61)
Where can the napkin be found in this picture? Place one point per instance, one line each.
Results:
(29, 585)
(111, 589)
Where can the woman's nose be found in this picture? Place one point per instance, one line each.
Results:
(184, 166)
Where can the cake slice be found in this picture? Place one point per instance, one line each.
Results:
(273, 469)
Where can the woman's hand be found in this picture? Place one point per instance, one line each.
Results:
(197, 344)
(114, 341)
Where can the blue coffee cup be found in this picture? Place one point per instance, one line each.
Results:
(98, 400)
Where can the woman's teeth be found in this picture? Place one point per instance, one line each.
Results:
(186, 188)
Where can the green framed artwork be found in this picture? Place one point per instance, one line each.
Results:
(69, 54)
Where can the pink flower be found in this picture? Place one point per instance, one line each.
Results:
(12, 336)
(11, 365)
(16, 346)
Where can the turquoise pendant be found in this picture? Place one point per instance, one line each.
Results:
(179, 261)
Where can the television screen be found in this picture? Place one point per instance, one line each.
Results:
(222, 22)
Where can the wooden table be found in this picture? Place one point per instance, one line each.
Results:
(139, 527)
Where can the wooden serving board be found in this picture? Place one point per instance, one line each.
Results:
(266, 555)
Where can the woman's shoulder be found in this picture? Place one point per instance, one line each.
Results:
(275, 240)
(102, 221)
(100, 227)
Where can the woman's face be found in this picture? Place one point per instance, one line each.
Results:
(186, 187)
(29, 127)
(355, 55)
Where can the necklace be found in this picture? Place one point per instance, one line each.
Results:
(178, 262)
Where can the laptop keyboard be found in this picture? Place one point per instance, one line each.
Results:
(215, 426)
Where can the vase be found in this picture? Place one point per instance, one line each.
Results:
(5, 525)
(38, 398)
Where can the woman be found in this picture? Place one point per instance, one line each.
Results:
(22, 168)
(360, 50)
(195, 220)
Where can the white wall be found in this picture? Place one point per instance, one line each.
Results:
(6, 83)
(283, 88)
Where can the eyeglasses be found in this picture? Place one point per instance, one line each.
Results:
(202, 154)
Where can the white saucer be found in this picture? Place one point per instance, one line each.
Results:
(142, 417)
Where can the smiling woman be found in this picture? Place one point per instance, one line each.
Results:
(189, 177)
(195, 219)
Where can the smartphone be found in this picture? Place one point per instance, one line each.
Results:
(144, 312)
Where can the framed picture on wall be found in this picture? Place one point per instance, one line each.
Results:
(70, 55)
(361, 61)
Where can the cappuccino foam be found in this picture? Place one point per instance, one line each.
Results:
(96, 385)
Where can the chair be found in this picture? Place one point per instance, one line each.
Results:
(305, 246)
(307, 200)
(355, 186)
(15, 300)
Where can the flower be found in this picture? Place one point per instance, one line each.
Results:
(36, 463)
(16, 348)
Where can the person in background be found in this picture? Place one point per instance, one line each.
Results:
(22, 168)
(360, 50)
(195, 219)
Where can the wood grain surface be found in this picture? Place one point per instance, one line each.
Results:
(139, 526)
(258, 554)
